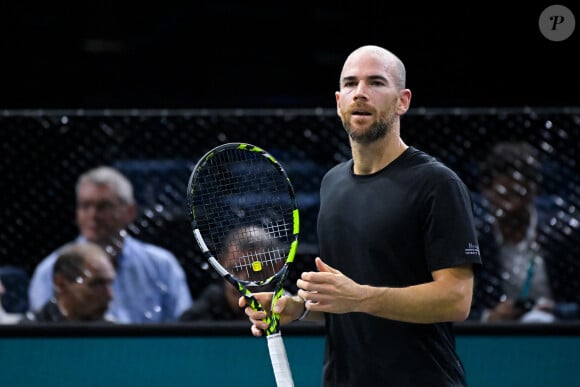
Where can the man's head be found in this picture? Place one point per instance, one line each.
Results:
(245, 246)
(372, 94)
(105, 205)
(510, 176)
(83, 276)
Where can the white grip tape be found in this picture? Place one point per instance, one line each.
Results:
(200, 241)
(279, 359)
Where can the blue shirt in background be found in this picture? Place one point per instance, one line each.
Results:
(151, 286)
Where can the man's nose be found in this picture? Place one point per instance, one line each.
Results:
(360, 91)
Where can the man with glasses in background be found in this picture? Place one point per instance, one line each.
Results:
(150, 286)
(83, 286)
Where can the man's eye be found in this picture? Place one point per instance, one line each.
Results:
(100, 282)
(98, 205)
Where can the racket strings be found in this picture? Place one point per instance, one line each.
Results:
(269, 262)
(240, 188)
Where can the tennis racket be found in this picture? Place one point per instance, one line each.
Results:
(246, 224)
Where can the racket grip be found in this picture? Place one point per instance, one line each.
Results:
(279, 359)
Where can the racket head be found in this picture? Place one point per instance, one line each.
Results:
(243, 205)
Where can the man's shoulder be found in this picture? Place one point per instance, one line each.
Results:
(149, 249)
(47, 262)
(428, 164)
(338, 170)
(49, 312)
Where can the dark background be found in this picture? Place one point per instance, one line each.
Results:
(222, 54)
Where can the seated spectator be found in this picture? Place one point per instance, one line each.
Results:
(219, 300)
(151, 285)
(524, 270)
(82, 279)
(5, 317)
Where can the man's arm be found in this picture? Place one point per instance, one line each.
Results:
(446, 298)
(40, 288)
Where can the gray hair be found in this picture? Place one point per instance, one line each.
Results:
(111, 177)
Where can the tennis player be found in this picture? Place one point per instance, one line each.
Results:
(397, 245)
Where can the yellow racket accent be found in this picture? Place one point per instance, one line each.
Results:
(257, 266)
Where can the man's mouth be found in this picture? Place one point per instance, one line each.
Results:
(360, 113)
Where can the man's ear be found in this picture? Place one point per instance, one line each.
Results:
(60, 283)
(404, 101)
(131, 213)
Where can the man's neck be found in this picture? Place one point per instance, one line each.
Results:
(64, 310)
(373, 157)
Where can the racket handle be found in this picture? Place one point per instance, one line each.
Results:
(279, 360)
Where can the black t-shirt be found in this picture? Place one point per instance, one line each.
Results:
(212, 305)
(50, 313)
(393, 228)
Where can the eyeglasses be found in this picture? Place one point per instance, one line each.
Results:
(94, 282)
(101, 206)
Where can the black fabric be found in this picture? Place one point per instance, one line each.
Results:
(212, 306)
(393, 228)
(50, 313)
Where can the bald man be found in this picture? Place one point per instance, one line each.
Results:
(397, 245)
(82, 279)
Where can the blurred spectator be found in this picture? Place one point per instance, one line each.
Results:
(525, 269)
(219, 300)
(151, 285)
(82, 279)
(5, 317)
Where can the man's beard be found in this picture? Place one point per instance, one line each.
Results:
(376, 131)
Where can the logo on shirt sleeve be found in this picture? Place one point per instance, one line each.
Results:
(472, 249)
